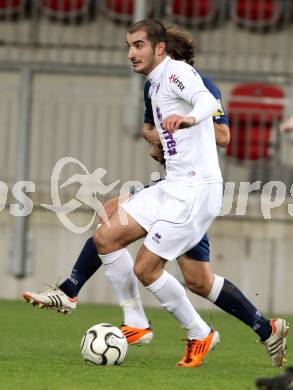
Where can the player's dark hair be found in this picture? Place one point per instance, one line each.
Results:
(180, 45)
(155, 31)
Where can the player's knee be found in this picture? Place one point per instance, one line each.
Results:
(110, 206)
(101, 242)
(138, 271)
(142, 274)
(199, 287)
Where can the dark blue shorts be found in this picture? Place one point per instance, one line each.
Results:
(201, 251)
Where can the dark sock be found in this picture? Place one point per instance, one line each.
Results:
(86, 265)
(235, 303)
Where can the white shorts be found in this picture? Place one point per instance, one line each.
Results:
(175, 218)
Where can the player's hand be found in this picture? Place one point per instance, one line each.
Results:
(176, 122)
(156, 152)
(153, 137)
(150, 134)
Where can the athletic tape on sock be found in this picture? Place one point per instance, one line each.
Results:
(216, 289)
(159, 283)
(112, 257)
(131, 303)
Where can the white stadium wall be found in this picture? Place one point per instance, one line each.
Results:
(257, 256)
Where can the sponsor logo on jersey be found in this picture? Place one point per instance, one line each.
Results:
(171, 143)
(157, 237)
(175, 79)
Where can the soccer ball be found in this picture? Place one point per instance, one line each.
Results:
(104, 344)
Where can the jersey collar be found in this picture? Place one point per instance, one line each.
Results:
(155, 74)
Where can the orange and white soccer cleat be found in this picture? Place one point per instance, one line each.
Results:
(276, 343)
(53, 298)
(196, 350)
(137, 336)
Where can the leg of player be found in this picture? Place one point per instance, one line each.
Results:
(63, 297)
(118, 265)
(199, 279)
(149, 268)
(88, 261)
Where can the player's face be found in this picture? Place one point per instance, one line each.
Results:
(143, 56)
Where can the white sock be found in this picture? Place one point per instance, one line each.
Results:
(119, 272)
(172, 297)
(216, 289)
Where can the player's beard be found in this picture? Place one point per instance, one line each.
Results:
(152, 65)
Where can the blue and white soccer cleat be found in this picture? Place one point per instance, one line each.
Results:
(276, 343)
(53, 298)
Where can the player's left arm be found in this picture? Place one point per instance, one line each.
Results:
(222, 133)
(220, 118)
(186, 84)
(221, 125)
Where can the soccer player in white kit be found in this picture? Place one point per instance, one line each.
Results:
(175, 214)
(222, 292)
(181, 207)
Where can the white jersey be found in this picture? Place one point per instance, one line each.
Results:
(190, 153)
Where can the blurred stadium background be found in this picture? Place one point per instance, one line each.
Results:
(67, 90)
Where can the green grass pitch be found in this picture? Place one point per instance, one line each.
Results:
(40, 351)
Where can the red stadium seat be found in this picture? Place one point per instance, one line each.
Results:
(254, 110)
(256, 13)
(63, 9)
(119, 10)
(194, 12)
(11, 7)
(123, 10)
